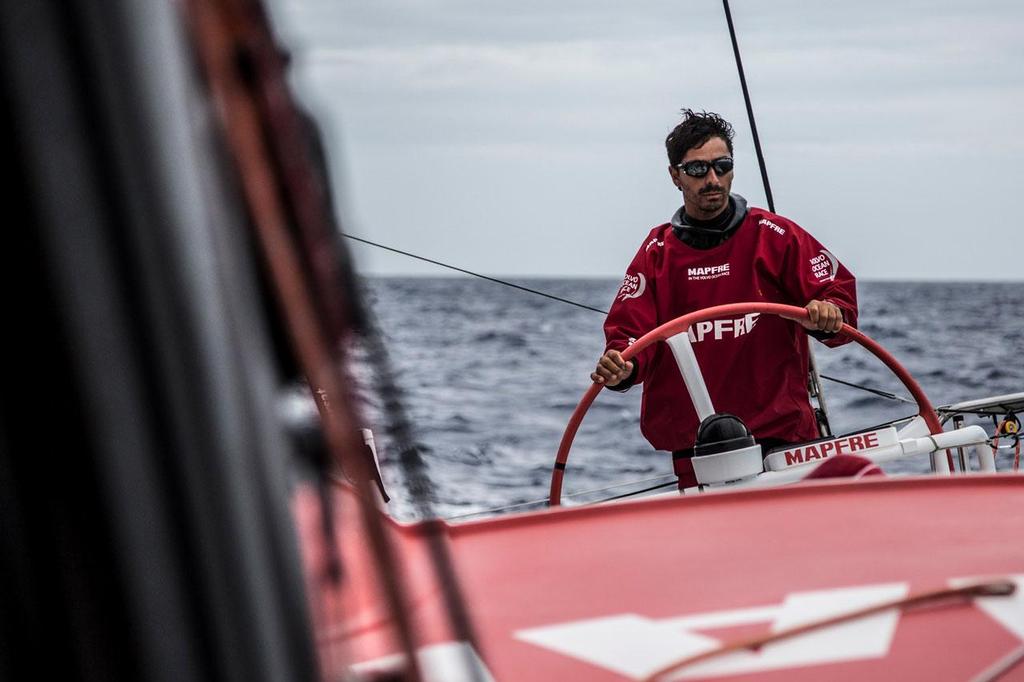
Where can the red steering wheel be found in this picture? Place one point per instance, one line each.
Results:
(682, 324)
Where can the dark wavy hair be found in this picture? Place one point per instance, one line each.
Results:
(696, 129)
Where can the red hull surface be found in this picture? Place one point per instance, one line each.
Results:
(616, 592)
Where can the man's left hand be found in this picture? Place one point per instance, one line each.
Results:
(823, 316)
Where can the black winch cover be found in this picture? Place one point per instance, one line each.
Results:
(721, 433)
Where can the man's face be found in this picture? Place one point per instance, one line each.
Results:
(708, 196)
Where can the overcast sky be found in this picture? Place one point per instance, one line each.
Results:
(527, 138)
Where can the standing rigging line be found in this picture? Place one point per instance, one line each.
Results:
(884, 394)
(750, 109)
(476, 274)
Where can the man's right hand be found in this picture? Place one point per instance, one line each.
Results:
(611, 370)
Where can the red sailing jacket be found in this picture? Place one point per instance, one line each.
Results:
(755, 366)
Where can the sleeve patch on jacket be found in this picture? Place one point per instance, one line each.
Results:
(633, 286)
(824, 266)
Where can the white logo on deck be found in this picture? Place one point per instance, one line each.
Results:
(636, 646)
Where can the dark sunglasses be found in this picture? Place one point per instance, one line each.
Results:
(698, 169)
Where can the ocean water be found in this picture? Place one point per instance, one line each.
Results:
(490, 375)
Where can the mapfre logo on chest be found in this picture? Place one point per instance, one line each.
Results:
(708, 272)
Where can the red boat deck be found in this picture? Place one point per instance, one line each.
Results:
(618, 591)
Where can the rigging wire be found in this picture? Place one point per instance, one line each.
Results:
(673, 482)
(884, 394)
(750, 109)
(476, 274)
(579, 493)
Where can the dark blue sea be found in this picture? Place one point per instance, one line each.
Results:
(489, 376)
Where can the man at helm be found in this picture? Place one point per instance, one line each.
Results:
(718, 250)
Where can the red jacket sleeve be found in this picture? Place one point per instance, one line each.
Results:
(634, 311)
(811, 272)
